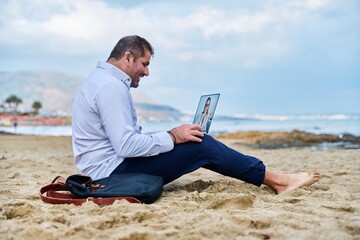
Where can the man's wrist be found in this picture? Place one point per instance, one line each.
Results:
(172, 136)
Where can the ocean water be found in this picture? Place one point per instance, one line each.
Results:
(321, 123)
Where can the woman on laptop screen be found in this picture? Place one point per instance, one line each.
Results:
(205, 111)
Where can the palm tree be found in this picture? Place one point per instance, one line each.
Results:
(36, 106)
(13, 102)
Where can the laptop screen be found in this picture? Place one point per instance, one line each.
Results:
(206, 110)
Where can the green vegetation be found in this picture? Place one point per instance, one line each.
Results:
(12, 102)
(36, 106)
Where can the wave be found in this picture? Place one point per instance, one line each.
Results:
(314, 123)
(264, 117)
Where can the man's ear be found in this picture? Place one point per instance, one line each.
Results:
(128, 58)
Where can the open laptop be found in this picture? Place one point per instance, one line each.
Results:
(205, 110)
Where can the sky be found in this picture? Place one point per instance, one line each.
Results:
(263, 57)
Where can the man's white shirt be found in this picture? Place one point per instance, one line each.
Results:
(104, 124)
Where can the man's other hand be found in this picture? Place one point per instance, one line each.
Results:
(187, 133)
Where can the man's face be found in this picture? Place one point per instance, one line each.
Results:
(139, 68)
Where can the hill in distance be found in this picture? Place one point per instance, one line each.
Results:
(56, 91)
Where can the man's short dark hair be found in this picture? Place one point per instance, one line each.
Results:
(134, 44)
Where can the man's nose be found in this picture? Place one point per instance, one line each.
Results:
(146, 72)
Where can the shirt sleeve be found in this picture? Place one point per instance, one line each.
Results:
(118, 117)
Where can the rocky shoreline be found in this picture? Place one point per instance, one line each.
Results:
(282, 140)
(293, 139)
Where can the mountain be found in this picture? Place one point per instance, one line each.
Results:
(56, 91)
(151, 113)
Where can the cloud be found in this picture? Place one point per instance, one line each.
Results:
(245, 49)
(215, 22)
(80, 22)
(311, 4)
(78, 27)
(248, 37)
(195, 32)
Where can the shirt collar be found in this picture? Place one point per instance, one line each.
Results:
(119, 74)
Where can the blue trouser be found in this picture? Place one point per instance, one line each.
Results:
(190, 156)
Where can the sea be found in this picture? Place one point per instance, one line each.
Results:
(337, 124)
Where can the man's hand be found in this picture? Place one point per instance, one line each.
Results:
(187, 133)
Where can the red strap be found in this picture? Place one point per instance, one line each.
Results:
(57, 193)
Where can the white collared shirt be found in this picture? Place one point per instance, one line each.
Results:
(104, 124)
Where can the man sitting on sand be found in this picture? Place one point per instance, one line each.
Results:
(108, 140)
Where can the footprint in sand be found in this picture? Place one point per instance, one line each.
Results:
(198, 185)
(292, 200)
(346, 209)
(233, 202)
(17, 210)
(353, 225)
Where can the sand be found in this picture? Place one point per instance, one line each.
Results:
(201, 205)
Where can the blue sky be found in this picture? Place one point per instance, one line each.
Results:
(267, 57)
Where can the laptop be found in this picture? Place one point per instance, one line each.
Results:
(205, 111)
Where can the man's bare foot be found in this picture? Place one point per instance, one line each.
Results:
(284, 182)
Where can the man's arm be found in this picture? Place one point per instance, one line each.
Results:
(118, 117)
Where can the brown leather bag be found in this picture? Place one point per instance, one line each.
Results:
(57, 192)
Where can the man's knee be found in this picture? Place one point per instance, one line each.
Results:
(208, 143)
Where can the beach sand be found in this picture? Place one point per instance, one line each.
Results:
(201, 205)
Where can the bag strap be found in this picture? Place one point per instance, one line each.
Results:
(54, 193)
